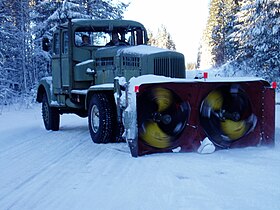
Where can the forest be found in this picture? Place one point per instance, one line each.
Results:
(23, 25)
(241, 38)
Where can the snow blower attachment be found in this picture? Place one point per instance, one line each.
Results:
(179, 115)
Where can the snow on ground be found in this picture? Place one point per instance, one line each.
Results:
(64, 170)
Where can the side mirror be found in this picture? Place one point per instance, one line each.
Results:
(46, 44)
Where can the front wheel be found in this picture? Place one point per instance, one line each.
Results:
(100, 117)
(50, 115)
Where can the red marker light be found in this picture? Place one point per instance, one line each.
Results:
(205, 75)
(274, 85)
(136, 89)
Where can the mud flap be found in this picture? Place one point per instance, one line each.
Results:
(178, 116)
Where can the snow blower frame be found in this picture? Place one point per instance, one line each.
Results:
(178, 116)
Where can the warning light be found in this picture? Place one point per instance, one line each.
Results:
(136, 89)
(205, 75)
(274, 85)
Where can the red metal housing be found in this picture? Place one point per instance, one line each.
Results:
(246, 103)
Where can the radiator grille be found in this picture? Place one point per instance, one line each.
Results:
(169, 67)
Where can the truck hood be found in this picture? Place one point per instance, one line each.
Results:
(142, 50)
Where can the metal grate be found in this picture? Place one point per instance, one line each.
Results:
(131, 61)
(169, 67)
(109, 61)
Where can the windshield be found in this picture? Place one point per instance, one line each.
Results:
(102, 37)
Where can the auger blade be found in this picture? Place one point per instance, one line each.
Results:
(162, 118)
(227, 120)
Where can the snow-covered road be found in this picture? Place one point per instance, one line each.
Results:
(42, 169)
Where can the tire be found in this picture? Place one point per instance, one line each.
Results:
(101, 118)
(50, 115)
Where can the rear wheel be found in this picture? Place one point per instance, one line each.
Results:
(100, 118)
(50, 115)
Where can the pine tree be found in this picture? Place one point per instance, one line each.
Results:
(217, 46)
(105, 9)
(258, 39)
(231, 46)
(15, 40)
(162, 39)
(198, 60)
(152, 38)
(207, 58)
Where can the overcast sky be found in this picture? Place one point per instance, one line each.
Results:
(184, 20)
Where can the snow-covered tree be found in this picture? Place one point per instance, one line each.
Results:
(230, 46)
(205, 58)
(257, 35)
(152, 38)
(15, 47)
(162, 39)
(243, 38)
(216, 47)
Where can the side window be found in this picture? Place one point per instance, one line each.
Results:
(65, 43)
(56, 44)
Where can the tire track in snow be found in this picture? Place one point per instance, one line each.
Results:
(47, 166)
(19, 146)
(42, 183)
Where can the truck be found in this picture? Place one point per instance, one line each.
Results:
(82, 80)
(93, 74)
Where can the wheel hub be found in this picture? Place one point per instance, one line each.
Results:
(95, 118)
(45, 112)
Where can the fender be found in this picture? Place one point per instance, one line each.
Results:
(45, 86)
(108, 87)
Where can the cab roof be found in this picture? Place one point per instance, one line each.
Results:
(109, 24)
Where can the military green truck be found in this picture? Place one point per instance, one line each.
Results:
(84, 75)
